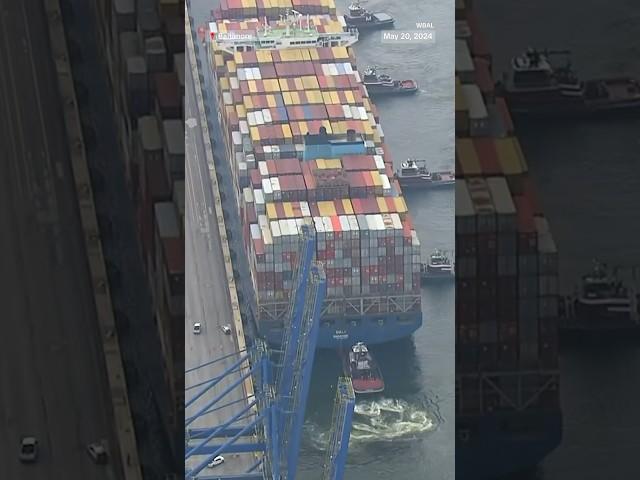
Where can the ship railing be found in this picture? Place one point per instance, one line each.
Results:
(350, 306)
(525, 387)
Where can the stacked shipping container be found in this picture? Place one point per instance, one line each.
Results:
(270, 101)
(506, 272)
(144, 49)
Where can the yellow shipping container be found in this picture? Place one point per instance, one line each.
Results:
(286, 130)
(315, 96)
(272, 214)
(333, 163)
(253, 88)
(263, 56)
(231, 66)
(283, 84)
(241, 111)
(340, 52)
(375, 178)
(219, 60)
(351, 99)
(467, 157)
(237, 57)
(288, 210)
(401, 206)
(326, 209)
(335, 98)
(507, 156)
(367, 128)
(224, 83)
(313, 54)
(298, 83)
(382, 205)
(310, 83)
(255, 136)
(346, 205)
(271, 85)
(271, 101)
(295, 98)
(247, 102)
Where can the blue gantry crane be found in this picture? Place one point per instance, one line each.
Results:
(270, 424)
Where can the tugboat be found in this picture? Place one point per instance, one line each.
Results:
(382, 84)
(364, 371)
(413, 175)
(439, 266)
(602, 295)
(535, 87)
(362, 19)
(603, 305)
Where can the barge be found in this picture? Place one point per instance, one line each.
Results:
(306, 147)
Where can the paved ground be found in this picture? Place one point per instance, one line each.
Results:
(207, 295)
(52, 379)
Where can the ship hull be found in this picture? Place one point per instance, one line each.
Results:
(418, 183)
(391, 91)
(491, 452)
(342, 334)
(367, 26)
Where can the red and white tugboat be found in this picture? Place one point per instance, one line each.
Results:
(414, 174)
(363, 369)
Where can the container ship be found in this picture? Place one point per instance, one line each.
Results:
(508, 416)
(306, 147)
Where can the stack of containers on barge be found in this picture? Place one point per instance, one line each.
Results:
(306, 147)
(143, 45)
(507, 404)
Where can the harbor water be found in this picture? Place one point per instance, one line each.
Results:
(588, 178)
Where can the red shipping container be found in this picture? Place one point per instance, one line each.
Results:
(487, 156)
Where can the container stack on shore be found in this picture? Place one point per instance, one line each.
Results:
(506, 260)
(272, 102)
(144, 48)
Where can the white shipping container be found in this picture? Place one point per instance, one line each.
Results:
(262, 167)
(266, 187)
(255, 231)
(266, 114)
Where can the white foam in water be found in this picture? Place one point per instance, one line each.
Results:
(380, 420)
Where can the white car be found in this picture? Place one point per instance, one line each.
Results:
(219, 460)
(28, 449)
(197, 328)
(97, 453)
(226, 329)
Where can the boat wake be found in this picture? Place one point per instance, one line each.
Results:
(389, 419)
(380, 420)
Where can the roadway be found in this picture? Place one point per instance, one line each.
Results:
(207, 300)
(52, 377)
